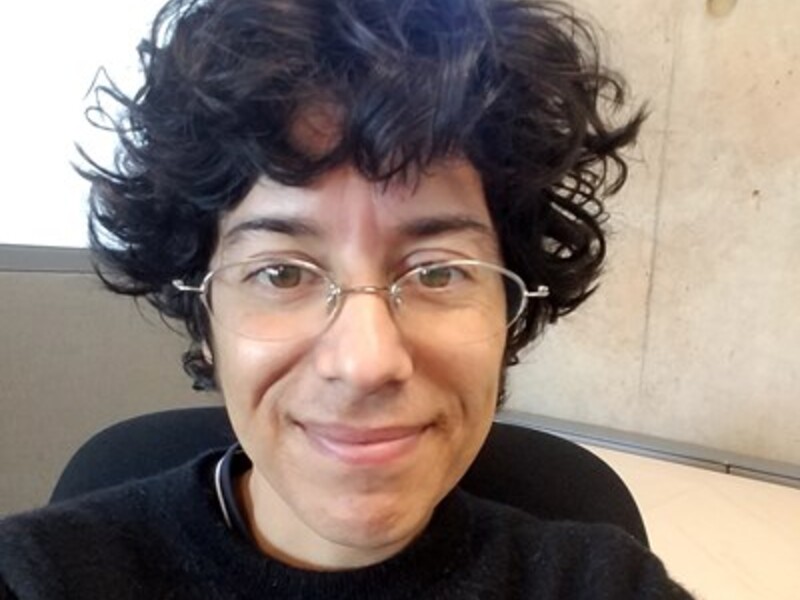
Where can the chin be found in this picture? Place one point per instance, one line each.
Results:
(374, 523)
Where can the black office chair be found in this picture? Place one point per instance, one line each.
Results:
(544, 475)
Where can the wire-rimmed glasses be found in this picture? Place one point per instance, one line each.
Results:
(281, 299)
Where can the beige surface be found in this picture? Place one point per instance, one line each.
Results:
(695, 333)
(73, 359)
(720, 535)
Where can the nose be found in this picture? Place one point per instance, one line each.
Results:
(363, 348)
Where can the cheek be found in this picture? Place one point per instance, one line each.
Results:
(476, 374)
(251, 375)
(468, 378)
(465, 384)
(470, 371)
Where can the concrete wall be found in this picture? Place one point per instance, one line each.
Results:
(694, 335)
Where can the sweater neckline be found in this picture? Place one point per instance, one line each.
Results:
(412, 572)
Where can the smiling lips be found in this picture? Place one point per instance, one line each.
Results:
(363, 447)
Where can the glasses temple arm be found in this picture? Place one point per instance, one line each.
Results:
(541, 292)
(183, 287)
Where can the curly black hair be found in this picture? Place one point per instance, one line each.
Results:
(514, 86)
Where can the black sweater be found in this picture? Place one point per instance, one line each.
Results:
(164, 537)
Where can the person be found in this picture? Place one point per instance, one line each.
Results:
(362, 211)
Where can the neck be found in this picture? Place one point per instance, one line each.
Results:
(280, 534)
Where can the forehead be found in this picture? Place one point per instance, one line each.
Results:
(342, 205)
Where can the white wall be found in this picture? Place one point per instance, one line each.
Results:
(50, 52)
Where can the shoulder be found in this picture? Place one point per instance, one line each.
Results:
(101, 536)
(565, 558)
(497, 524)
(122, 505)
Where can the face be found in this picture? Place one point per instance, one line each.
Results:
(357, 433)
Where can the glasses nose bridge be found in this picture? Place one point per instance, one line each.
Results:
(388, 292)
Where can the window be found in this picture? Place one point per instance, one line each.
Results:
(50, 52)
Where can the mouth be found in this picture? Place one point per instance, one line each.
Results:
(363, 447)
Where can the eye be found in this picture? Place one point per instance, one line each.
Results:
(439, 276)
(280, 276)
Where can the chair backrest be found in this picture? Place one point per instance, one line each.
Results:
(542, 474)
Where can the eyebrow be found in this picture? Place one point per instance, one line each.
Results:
(421, 228)
(433, 226)
(284, 225)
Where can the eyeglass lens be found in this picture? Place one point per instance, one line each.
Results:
(460, 301)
